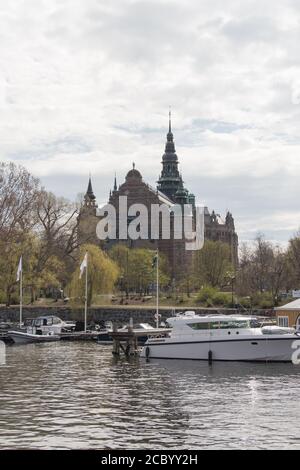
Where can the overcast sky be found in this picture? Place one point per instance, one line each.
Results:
(85, 86)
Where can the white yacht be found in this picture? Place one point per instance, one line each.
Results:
(42, 329)
(221, 338)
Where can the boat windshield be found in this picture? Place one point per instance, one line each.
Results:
(43, 321)
(216, 325)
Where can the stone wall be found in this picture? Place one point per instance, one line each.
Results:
(100, 314)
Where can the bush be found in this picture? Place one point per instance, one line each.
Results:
(209, 303)
(210, 297)
(181, 299)
(245, 302)
(263, 300)
(206, 294)
(2, 297)
(222, 298)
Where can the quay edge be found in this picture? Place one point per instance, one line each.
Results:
(119, 315)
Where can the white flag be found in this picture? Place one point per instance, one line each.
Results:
(83, 265)
(19, 270)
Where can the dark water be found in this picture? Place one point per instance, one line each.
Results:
(76, 395)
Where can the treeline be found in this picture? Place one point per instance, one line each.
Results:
(265, 274)
(42, 228)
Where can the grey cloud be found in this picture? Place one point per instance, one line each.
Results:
(253, 29)
(88, 84)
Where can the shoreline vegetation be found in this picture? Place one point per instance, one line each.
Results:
(223, 300)
(43, 229)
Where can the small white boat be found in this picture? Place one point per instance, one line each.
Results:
(22, 337)
(42, 329)
(221, 338)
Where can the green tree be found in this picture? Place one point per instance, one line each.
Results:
(9, 260)
(137, 273)
(35, 276)
(103, 273)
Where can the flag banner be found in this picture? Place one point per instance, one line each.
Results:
(19, 270)
(83, 265)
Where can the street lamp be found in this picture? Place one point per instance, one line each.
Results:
(231, 277)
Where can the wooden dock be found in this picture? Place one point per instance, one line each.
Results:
(79, 336)
(126, 342)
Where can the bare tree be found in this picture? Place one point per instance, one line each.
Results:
(57, 224)
(18, 197)
(294, 260)
(212, 264)
(263, 268)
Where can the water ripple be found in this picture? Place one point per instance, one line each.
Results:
(73, 395)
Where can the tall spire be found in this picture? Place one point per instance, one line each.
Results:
(90, 198)
(170, 146)
(115, 183)
(90, 191)
(170, 178)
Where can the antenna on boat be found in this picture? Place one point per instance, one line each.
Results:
(84, 267)
(155, 264)
(20, 279)
(157, 291)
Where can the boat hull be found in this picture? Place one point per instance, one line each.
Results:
(25, 338)
(253, 349)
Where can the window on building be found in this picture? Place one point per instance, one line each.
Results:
(283, 321)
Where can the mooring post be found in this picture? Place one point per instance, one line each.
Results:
(116, 342)
(136, 345)
(116, 347)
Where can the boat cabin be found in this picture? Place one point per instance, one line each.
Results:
(46, 321)
(190, 322)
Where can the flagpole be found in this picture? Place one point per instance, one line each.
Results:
(157, 291)
(86, 294)
(21, 296)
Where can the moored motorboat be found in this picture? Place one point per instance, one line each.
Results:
(221, 338)
(40, 330)
(22, 337)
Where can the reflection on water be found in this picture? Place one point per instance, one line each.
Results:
(76, 395)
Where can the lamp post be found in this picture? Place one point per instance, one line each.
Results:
(121, 284)
(231, 277)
